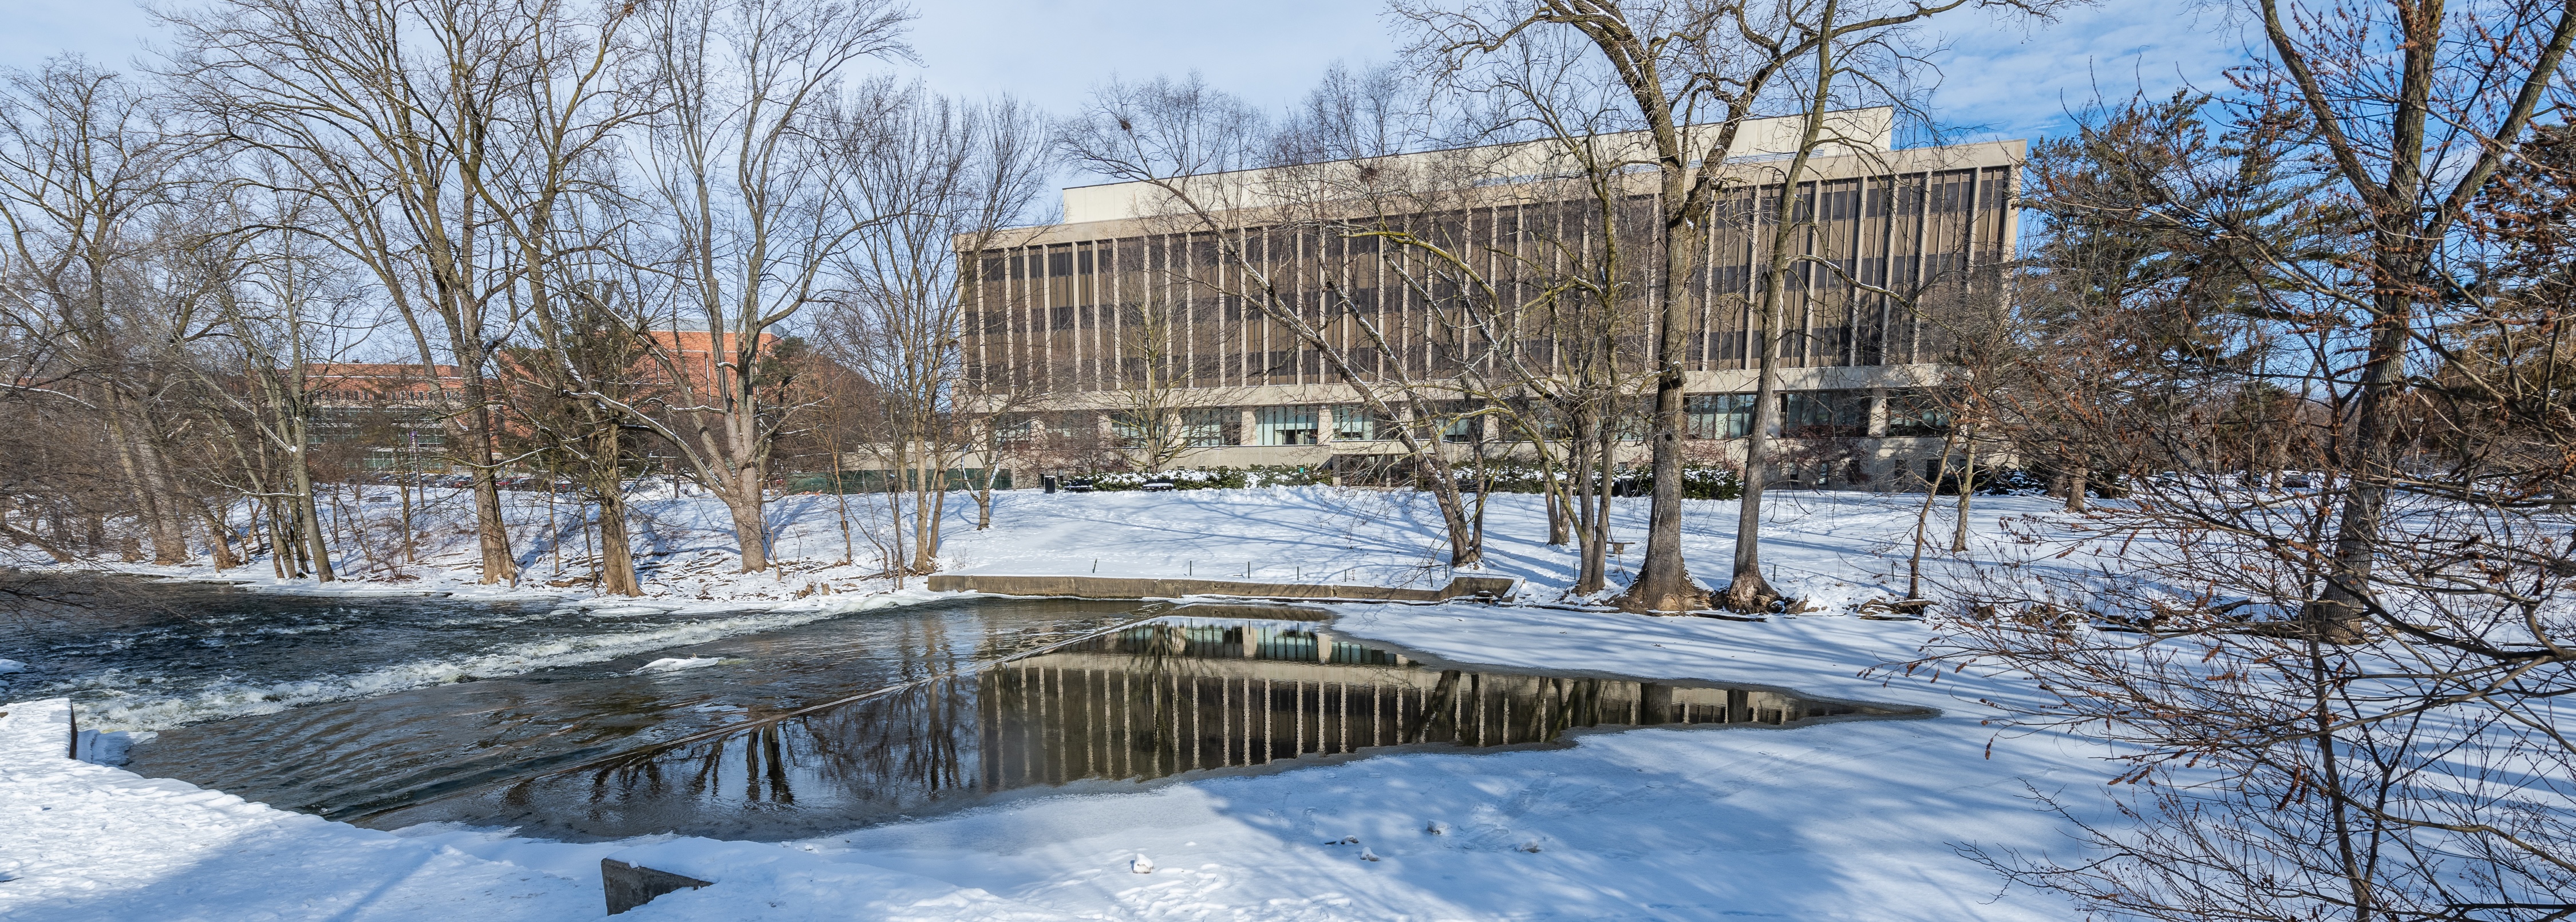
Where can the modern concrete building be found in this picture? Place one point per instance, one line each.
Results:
(1142, 284)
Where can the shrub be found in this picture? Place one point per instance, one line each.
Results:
(1218, 478)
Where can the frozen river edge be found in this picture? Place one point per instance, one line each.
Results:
(1841, 821)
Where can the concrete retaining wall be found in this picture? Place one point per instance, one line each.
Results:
(1101, 587)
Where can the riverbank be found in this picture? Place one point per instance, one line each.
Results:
(1832, 549)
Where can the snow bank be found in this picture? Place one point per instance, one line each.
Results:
(82, 842)
(791, 882)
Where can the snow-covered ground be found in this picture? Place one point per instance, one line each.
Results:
(1851, 820)
(1832, 548)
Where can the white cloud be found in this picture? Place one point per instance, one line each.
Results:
(1997, 78)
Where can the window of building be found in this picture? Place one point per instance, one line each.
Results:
(1824, 414)
(1463, 426)
(1915, 413)
(1129, 430)
(1635, 419)
(1353, 423)
(1204, 428)
(1285, 426)
(1718, 416)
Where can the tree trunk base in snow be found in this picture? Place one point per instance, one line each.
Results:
(1748, 595)
(1688, 599)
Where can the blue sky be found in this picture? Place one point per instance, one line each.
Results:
(1997, 79)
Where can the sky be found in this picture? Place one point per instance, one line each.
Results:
(1997, 78)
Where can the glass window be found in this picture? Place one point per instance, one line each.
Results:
(1915, 413)
(1463, 427)
(1285, 426)
(1824, 414)
(1128, 430)
(1204, 428)
(1351, 423)
(1636, 419)
(1718, 416)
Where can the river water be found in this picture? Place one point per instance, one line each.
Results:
(593, 721)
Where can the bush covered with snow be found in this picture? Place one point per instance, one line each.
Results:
(1697, 482)
(1218, 478)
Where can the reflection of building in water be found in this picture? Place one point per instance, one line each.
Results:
(1164, 698)
(1149, 701)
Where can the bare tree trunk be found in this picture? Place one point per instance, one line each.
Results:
(281, 557)
(491, 534)
(2076, 487)
(841, 501)
(1747, 591)
(169, 531)
(316, 543)
(1592, 573)
(1923, 520)
(1967, 494)
(132, 436)
(218, 539)
(411, 542)
(616, 550)
(1663, 583)
(1560, 526)
(749, 530)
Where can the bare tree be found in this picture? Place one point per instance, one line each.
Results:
(2310, 731)
(752, 202)
(391, 114)
(89, 168)
(283, 318)
(933, 182)
(1177, 138)
(2413, 136)
(1696, 73)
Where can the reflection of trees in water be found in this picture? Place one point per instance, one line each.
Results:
(906, 745)
(1146, 702)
